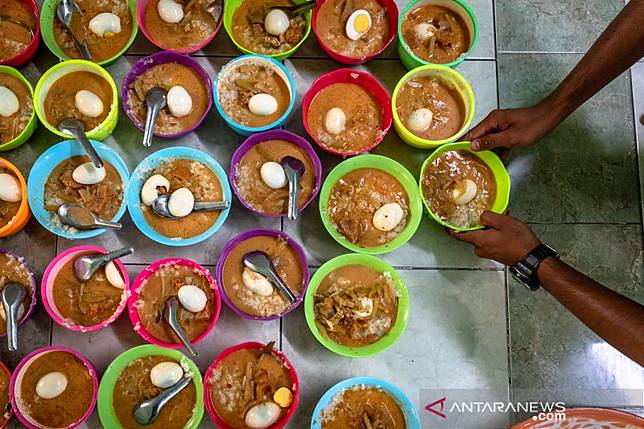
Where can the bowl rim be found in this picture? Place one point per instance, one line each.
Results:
(383, 342)
(453, 75)
(158, 58)
(392, 12)
(24, 212)
(256, 232)
(133, 193)
(251, 345)
(35, 195)
(113, 370)
(402, 43)
(49, 277)
(33, 45)
(55, 49)
(243, 128)
(34, 285)
(34, 354)
(406, 406)
(344, 75)
(144, 275)
(110, 119)
(31, 125)
(389, 166)
(275, 134)
(490, 159)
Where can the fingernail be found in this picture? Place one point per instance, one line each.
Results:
(476, 145)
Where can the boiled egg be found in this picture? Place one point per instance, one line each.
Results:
(424, 31)
(283, 397)
(256, 283)
(166, 374)
(9, 188)
(464, 191)
(335, 120)
(419, 120)
(9, 103)
(181, 202)
(388, 217)
(262, 104)
(105, 24)
(276, 22)
(88, 103)
(273, 175)
(179, 101)
(150, 189)
(51, 385)
(88, 174)
(358, 23)
(170, 11)
(192, 298)
(113, 275)
(263, 415)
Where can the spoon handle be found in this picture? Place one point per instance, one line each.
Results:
(12, 327)
(302, 8)
(84, 49)
(171, 392)
(111, 256)
(100, 223)
(277, 281)
(87, 146)
(171, 319)
(293, 193)
(210, 205)
(150, 123)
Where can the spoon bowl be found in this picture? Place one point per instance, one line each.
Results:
(86, 266)
(160, 206)
(13, 295)
(147, 411)
(65, 12)
(260, 263)
(80, 217)
(156, 99)
(294, 169)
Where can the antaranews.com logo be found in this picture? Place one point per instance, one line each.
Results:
(543, 411)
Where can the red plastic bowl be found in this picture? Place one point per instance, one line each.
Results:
(365, 80)
(392, 14)
(25, 56)
(250, 345)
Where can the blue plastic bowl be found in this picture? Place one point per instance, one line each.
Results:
(43, 167)
(407, 407)
(141, 174)
(242, 129)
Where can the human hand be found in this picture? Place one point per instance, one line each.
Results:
(507, 240)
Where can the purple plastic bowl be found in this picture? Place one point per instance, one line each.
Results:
(299, 251)
(274, 135)
(34, 293)
(147, 63)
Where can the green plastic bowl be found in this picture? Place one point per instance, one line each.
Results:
(407, 56)
(501, 177)
(230, 6)
(47, 16)
(31, 125)
(56, 72)
(108, 381)
(380, 163)
(448, 76)
(403, 305)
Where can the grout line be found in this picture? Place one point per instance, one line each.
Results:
(409, 268)
(508, 334)
(586, 223)
(542, 52)
(637, 149)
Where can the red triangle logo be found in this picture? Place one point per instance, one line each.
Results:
(440, 402)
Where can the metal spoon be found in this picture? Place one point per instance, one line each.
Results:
(260, 263)
(155, 99)
(294, 169)
(160, 206)
(297, 9)
(215, 8)
(80, 217)
(76, 128)
(170, 317)
(64, 12)
(19, 23)
(147, 411)
(86, 266)
(13, 295)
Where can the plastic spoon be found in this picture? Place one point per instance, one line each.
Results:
(261, 264)
(297, 9)
(294, 169)
(147, 411)
(155, 99)
(86, 266)
(215, 8)
(170, 317)
(80, 217)
(65, 11)
(76, 128)
(160, 206)
(13, 295)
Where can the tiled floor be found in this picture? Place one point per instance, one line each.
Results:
(470, 325)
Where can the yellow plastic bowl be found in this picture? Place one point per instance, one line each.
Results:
(24, 214)
(448, 76)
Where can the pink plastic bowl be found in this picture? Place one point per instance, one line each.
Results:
(136, 288)
(142, 5)
(365, 80)
(9, 413)
(47, 287)
(19, 373)
(25, 56)
(392, 14)
(251, 345)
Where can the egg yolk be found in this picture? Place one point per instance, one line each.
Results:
(361, 23)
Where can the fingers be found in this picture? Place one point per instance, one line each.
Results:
(493, 220)
(486, 126)
(472, 237)
(492, 141)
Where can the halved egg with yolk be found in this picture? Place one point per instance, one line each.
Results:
(358, 23)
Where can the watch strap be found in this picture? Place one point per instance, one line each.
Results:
(526, 269)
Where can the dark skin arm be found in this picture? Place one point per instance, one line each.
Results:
(615, 318)
(618, 48)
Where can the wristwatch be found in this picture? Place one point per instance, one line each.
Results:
(526, 269)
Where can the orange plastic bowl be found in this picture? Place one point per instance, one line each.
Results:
(22, 217)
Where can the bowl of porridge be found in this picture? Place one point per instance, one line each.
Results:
(18, 122)
(14, 268)
(14, 205)
(18, 45)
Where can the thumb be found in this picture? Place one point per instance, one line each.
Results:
(488, 125)
(491, 141)
(493, 220)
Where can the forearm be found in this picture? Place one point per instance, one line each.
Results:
(618, 48)
(615, 318)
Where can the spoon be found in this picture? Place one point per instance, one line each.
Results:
(86, 266)
(215, 8)
(19, 23)
(294, 169)
(76, 128)
(260, 263)
(170, 317)
(65, 11)
(297, 9)
(160, 206)
(80, 217)
(155, 99)
(13, 295)
(147, 411)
